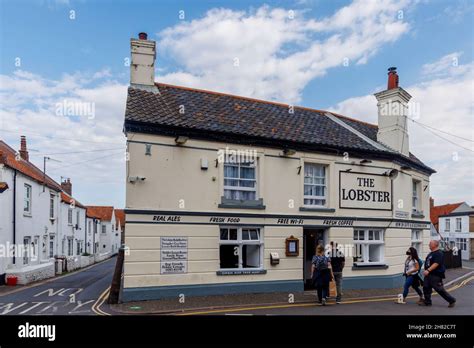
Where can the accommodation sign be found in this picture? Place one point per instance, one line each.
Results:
(365, 191)
(174, 255)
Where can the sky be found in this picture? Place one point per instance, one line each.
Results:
(330, 55)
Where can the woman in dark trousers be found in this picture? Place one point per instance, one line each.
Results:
(321, 274)
(412, 277)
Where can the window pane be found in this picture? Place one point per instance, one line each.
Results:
(224, 234)
(251, 256)
(227, 256)
(245, 235)
(247, 173)
(233, 234)
(374, 252)
(247, 183)
(254, 235)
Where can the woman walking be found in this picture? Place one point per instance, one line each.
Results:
(321, 274)
(412, 277)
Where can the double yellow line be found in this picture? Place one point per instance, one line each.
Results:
(461, 284)
(96, 306)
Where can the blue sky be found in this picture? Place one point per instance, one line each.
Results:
(85, 57)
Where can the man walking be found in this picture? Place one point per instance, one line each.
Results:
(434, 275)
(337, 260)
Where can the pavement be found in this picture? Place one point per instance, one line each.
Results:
(77, 293)
(382, 301)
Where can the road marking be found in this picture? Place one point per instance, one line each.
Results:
(36, 304)
(7, 308)
(463, 283)
(96, 306)
(80, 304)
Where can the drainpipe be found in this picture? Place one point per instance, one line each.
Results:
(14, 215)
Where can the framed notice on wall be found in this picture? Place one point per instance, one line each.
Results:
(174, 255)
(292, 247)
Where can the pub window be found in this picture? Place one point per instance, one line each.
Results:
(240, 180)
(51, 206)
(416, 196)
(417, 240)
(447, 225)
(458, 224)
(69, 246)
(369, 246)
(240, 248)
(27, 199)
(315, 190)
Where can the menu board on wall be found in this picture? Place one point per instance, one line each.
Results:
(174, 255)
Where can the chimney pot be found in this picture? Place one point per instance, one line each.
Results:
(23, 149)
(143, 36)
(392, 78)
(66, 185)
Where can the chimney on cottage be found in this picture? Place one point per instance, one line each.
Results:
(142, 67)
(66, 185)
(392, 115)
(23, 150)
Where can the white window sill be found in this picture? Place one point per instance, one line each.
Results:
(27, 214)
(241, 271)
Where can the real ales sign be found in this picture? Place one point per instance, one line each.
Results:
(365, 191)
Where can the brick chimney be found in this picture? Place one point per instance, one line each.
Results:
(142, 67)
(23, 150)
(66, 185)
(392, 115)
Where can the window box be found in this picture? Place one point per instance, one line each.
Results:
(320, 209)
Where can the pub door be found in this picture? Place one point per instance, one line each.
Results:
(311, 238)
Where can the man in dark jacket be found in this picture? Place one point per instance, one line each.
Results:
(434, 275)
(337, 260)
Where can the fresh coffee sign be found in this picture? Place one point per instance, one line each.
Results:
(365, 191)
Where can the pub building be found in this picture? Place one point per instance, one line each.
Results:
(229, 194)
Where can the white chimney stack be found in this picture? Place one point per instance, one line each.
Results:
(142, 68)
(392, 115)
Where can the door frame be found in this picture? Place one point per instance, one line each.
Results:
(306, 265)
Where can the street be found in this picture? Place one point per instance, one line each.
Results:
(74, 294)
(462, 291)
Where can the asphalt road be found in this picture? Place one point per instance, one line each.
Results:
(73, 294)
(462, 291)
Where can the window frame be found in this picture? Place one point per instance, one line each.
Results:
(417, 240)
(447, 225)
(415, 200)
(461, 244)
(26, 248)
(325, 185)
(255, 189)
(365, 246)
(240, 243)
(103, 229)
(69, 216)
(51, 205)
(456, 225)
(27, 199)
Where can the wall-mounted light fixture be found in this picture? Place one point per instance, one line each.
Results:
(147, 149)
(181, 140)
(288, 152)
(134, 179)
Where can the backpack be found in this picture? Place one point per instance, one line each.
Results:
(322, 263)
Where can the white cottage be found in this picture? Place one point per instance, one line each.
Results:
(29, 214)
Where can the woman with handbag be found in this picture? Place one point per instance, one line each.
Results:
(321, 274)
(411, 274)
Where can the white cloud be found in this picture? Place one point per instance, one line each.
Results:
(28, 106)
(274, 53)
(446, 103)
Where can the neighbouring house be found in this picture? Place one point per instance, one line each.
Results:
(107, 238)
(120, 224)
(73, 236)
(229, 194)
(29, 214)
(437, 210)
(457, 228)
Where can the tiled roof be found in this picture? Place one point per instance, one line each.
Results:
(229, 118)
(119, 218)
(70, 200)
(437, 211)
(8, 157)
(100, 212)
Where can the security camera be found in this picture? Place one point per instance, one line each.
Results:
(134, 179)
